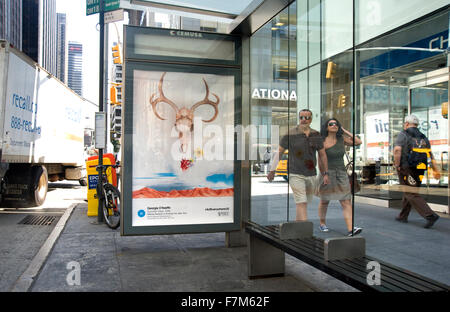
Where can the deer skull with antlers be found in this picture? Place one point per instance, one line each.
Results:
(184, 117)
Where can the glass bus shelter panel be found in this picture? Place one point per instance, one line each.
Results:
(334, 80)
(272, 62)
(395, 81)
(401, 73)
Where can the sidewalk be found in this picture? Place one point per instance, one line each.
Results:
(185, 263)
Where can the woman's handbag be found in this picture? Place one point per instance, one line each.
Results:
(352, 176)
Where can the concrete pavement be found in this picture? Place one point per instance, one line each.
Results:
(108, 262)
(184, 263)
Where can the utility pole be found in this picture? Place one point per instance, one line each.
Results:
(100, 106)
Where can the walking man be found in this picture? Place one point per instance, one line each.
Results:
(302, 143)
(411, 150)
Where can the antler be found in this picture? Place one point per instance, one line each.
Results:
(162, 98)
(209, 102)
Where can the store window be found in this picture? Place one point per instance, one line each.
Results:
(399, 75)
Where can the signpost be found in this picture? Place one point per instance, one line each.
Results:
(93, 6)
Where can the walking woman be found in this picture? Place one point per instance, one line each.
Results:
(338, 188)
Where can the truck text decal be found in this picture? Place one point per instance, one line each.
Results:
(24, 125)
(24, 103)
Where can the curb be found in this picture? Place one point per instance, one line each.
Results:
(25, 281)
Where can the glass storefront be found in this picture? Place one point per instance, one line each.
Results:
(404, 72)
(368, 69)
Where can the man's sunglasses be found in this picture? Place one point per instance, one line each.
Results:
(331, 124)
(305, 117)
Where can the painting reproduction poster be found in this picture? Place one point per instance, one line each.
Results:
(182, 170)
(377, 135)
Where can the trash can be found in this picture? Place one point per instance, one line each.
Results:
(92, 178)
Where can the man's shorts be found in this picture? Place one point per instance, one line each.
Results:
(303, 187)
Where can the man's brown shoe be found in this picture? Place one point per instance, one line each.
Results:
(431, 220)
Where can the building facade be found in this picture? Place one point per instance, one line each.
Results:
(11, 22)
(61, 47)
(30, 29)
(116, 107)
(48, 36)
(30, 26)
(75, 67)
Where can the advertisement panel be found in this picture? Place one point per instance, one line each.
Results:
(435, 127)
(20, 129)
(377, 136)
(181, 174)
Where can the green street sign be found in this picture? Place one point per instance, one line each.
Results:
(93, 6)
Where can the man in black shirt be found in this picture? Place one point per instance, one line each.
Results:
(302, 143)
(409, 174)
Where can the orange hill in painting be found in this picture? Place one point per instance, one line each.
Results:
(197, 192)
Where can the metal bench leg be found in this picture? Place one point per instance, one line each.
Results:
(264, 260)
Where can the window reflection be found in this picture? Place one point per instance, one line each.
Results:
(369, 89)
(273, 94)
(399, 78)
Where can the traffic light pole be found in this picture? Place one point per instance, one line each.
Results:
(100, 106)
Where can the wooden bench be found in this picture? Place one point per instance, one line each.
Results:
(353, 272)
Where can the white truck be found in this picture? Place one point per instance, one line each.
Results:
(41, 130)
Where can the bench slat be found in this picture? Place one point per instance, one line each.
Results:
(361, 277)
(386, 280)
(397, 273)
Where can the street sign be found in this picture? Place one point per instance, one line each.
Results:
(114, 16)
(100, 130)
(93, 6)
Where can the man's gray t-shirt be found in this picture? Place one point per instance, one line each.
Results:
(302, 151)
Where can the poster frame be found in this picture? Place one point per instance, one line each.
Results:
(131, 31)
(127, 229)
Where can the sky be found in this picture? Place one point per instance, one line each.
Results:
(84, 29)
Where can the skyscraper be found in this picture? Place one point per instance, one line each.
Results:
(30, 29)
(75, 67)
(47, 35)
(61, 47)
(11, 22)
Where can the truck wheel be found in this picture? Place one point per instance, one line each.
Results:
(38, 186)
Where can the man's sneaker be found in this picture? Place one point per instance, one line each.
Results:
(401, 220)
(356, 231)
(431, 220)
(323, 228)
